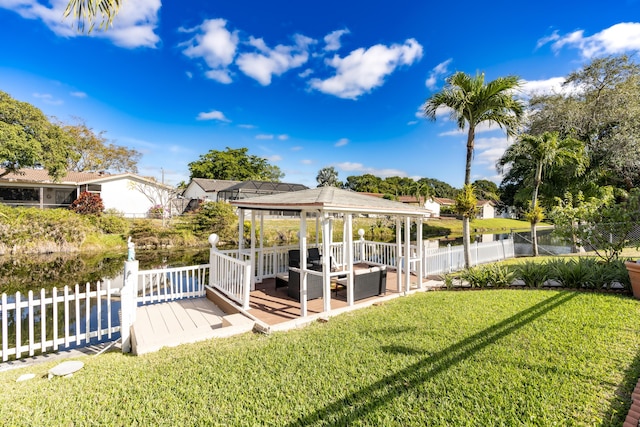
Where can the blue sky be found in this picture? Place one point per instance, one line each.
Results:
(304, 84)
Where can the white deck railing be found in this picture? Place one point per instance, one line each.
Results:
(231, 276)
(167, 284)
(451, 258)
(57, 320)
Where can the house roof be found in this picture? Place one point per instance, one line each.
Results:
(41, 176)
(442, 201)
(266, 186)
(329, 199)
(213, 185)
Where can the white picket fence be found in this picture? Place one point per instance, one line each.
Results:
(230, 275)
(46, 322)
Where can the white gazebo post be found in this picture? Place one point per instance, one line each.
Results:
(326, 261)
(407, 253)
(398, 254)
(261, 252)
(303, 263)
(348, 236)
(420, 243)
(252, 255)
(240, 232)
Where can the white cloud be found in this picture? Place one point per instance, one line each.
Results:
(342, 142)
(47, 98)
(264, 136)
(213, 115)
(216, 45)
(296, 148)
(437, 71)
(78, 94)
(359, 167)
(306, 162)
(283, 137)
(489, 150)
(365, 69)
(306, 73)
(266, 62)
(274, 158)
(133, 26)
(543, 87)
(247, 126)
(412, 122)
(332, 39)
(619, 38)
(481, 128)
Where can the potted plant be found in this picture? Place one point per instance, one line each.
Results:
(634, 276)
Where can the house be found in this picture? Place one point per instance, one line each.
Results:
(486, 209)
(207, 189)
(129, 194)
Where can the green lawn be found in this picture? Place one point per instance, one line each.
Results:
(474, 358)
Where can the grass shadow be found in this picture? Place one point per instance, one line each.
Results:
(355, 406)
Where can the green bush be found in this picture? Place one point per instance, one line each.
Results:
(499, 275)
(216, 217)
(575, 274)
(478, 277)
(533, 274)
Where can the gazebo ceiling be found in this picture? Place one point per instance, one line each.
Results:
(329, 199)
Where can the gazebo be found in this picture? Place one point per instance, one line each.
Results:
(323, 205)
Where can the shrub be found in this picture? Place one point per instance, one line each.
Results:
(156, 212)
(87, 203)
(216, 217)
(533, 274)
(478, 277)
(575, 273)
(500, 275)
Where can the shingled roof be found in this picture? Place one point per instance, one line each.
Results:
(329, 199)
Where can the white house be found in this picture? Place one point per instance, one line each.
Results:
(486, 209)
(130, 194)
(206, 189)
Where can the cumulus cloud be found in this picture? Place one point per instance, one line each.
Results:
(437, 72)
(332, 40)
(265, 62)
(365, 69)
(247, 126)
(215, 45)
(412, 122)
(274, 158)
(489, 150)
(296, 148)
(359, 167)
(213, 115)
(78, 94)
(342, 142)
(264, 136)
(133, 27)
(283, 137)
(619, 38)
(481, 128)
(306, 162)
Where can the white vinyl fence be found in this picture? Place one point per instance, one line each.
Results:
(167, 284)
(44, 322)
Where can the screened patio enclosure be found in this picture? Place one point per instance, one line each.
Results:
(319, 208)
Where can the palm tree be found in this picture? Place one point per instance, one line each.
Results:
(328, 177)
(471, 102)
(541, 152)
(88, 10)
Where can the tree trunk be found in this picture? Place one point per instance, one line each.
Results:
(534, 202)
(534, 239)
(466, 231)
(466, 235)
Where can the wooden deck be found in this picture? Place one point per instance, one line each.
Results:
(272, 306)
(184, 321)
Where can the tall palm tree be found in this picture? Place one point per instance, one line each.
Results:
(541, 152)
(471, 102)
(88, 11)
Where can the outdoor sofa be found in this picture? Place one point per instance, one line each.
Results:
(368, 282)
(314, 285)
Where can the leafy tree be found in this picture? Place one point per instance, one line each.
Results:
(95, 154)
(603, 110)
(87, 203)
(366, 183)
(601, 223)
(537, 154)
(216, 217)
(328, 177)
(234, 164)
(28, 139)
(486, 190)
(471, 102)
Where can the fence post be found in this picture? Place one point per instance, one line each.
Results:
(450, 257)
(129, 302)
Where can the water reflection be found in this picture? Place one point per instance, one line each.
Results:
(35, 272)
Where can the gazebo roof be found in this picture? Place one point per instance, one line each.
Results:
(329, 199)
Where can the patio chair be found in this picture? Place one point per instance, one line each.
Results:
(314, 257)
(294, 258)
